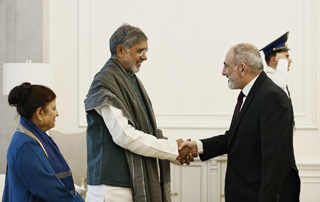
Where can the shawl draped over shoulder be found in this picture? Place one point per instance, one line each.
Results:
(111, 86)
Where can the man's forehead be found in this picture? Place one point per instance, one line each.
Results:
(140, 45)
(229, 57)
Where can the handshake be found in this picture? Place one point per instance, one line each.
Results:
(187, 151)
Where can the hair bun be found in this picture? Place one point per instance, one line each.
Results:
(19, 94)
(25, 85)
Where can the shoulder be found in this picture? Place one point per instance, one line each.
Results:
(272, 96)
(19, 139)
(269, 70)
(267, 88)
(111, 67)
(22, 144)
(110, 72)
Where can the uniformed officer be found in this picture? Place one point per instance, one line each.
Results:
(278, 61)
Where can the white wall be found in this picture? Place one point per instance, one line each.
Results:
(21, 37)
(188, 41)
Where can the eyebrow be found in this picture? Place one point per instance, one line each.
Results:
(142, 49)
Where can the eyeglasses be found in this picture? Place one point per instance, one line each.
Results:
(143, 52)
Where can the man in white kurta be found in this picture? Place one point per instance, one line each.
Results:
(127, 155)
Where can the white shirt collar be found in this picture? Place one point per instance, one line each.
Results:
(248, 87)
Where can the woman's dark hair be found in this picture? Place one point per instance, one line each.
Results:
(28, 98)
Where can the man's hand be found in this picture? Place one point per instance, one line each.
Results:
(185, 154)
(191, 145)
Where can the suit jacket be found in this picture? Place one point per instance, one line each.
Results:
(261, 163)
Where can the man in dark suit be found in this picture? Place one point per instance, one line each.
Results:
(261, 163)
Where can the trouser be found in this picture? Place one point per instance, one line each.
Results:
(106, 193)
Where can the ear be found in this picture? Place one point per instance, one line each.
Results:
(39, 114)
(242, 69)
(273, 60)
(120, 51)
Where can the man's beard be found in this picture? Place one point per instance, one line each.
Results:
(134, 67)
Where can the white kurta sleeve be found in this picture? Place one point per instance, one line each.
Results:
(127, 137)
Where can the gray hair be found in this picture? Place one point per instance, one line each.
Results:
(126, 35)
(250, 55)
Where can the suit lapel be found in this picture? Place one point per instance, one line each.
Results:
(247, 103)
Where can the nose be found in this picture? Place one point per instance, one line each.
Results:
(223, 71)
(144, 56)
(290, 60)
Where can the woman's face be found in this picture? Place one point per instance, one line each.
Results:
(49, 116)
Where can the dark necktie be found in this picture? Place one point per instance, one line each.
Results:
(288, 92)
(240, 100)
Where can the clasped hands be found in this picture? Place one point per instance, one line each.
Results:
(186, 154)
